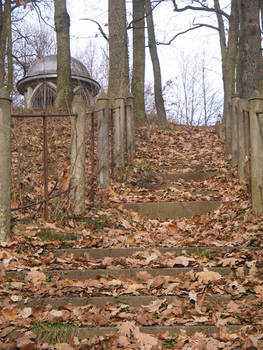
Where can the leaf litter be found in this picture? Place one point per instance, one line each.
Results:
(185, 299)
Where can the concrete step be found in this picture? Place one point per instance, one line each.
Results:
(83, 333)
(100, 301)
(98, 253)
(180, 166)
(189, 176)
(82, 275)
(172, 210)
(173, 331)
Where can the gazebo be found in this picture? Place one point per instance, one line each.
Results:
(39, 84)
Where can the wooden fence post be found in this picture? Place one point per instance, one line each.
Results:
(234, 138)
(5, 164)
(228, 126)
(242, 140)
(78, 155)
(103, 141)
(118, 127)
(130, 126)
(256, 132)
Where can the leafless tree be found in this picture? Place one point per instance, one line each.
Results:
(190, 97)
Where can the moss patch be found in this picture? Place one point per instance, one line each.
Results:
(49, 235)
(99, 222)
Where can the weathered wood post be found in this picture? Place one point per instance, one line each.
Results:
(5, 164)
(78, 154)
(130, 127)
(228, 127)
(119, 119)
(220, 128)
(234, 138)
(242, 140)
(256, 132)
(103, 141)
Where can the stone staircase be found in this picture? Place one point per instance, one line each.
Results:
(170, 293)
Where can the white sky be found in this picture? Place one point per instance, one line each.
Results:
(167, 24)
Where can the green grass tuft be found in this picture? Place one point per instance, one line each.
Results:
(53, 333)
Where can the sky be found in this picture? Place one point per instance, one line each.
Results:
(190, 47)
(167, 24)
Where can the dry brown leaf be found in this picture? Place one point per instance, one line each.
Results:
(16, 298)
(182, 260)
(146, 341)
(152, 257)
(233, 307)
(126, 328)
(65, 181)
(37, 277)
(55, 314)
(123, 341)
(193, 296)
(208, 276)
(26, 312)
(9, 314)
(228, 261)
(63, 346)
(6, 331)
(259, 290)
(143, 275)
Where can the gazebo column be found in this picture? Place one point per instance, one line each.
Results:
(28, 97)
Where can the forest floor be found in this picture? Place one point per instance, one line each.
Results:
(50, 271)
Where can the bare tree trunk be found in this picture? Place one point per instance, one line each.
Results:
(5, 161)
(64, 84)
(156, 64)
(118, 50)
(138, 71)
(229, 55)
(9, 50)
(3, 36)
(78, 155)
(250, 56)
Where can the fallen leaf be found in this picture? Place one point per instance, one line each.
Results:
(63, 346)
(233, 307)
(126, 328)
(143, 275)
(147, 341)
(9, 314)
(193, 296)
(208, 276)
(37, 277)
(26, 312)
(182, 260)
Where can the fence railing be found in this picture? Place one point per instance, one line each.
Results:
(247, 145)
(46, 194)
(111, 137)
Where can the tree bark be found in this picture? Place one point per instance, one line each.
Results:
(9, 50)
(5, 161)
(78, 155)
(250, 55)
(159, 102)
(229, 61)
(3, 36)
(138, 71)
(64, 84)
(118, 50)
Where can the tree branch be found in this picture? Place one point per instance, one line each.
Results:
(99, 26)
(197, 26)
(202, 8)
(130, 25)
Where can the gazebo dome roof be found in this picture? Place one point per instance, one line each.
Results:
(48, 65)
(46, 68)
